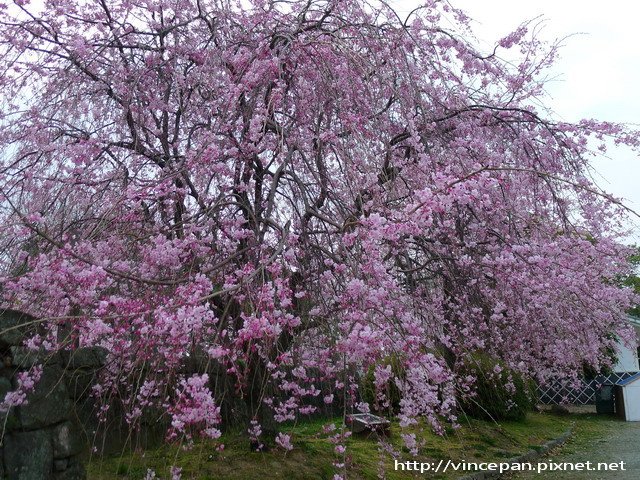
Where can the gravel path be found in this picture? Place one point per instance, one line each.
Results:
(621, 442)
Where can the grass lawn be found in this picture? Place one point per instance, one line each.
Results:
(313, 455)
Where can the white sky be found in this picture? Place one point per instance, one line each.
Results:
(596, 76)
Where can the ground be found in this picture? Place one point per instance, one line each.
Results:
(313, 454)
(606, 440)
(596, 438)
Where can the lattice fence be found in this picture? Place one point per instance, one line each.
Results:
(581, 392)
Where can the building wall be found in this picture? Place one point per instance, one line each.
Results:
(627, 359)
(632, 401)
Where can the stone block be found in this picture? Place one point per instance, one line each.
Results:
(25, 358)
(75, 471)
(9, 418)
(87, 357)
(13, 327)
(80, 382)
(67, 440)
(5, 387)
(60, 464)
(28, 455)
(49, 403)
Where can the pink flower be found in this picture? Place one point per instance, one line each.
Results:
(176, 473)
(284, 441)
(194, 409)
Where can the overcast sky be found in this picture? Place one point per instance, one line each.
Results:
(597, 75)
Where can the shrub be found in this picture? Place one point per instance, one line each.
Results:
(499, 393)
(389, 389)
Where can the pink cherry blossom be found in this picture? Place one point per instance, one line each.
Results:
(261, 202)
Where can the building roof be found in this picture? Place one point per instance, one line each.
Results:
(628, 380)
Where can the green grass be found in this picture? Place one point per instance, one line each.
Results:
(313, 454)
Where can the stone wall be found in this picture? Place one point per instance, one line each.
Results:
(43, 438)
(49, 436)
